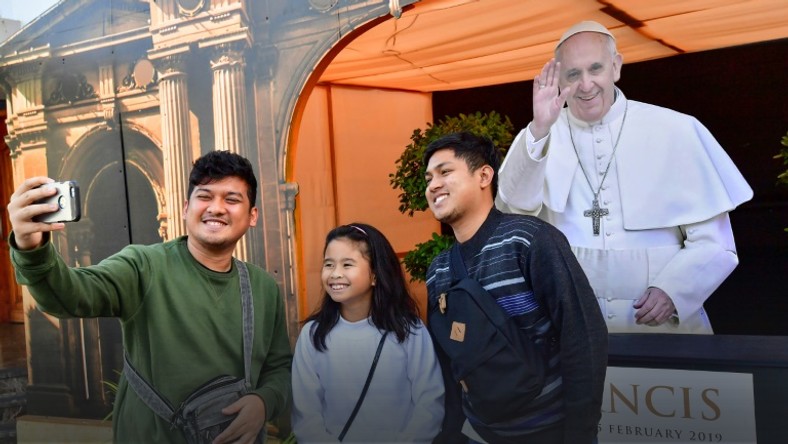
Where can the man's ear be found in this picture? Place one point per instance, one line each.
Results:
(618, 60)
(185, 207)
(486, 174)
(254, 215)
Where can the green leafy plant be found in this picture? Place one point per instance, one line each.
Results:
(409, 175)
(291, 439)
(783, 177)
(112, 389)
(417, 260)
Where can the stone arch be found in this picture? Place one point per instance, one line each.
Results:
(319, 57)
(96, 160)
(310, 229)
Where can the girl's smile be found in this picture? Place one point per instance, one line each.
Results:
(348, 278)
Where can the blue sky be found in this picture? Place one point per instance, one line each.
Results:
(24, 10)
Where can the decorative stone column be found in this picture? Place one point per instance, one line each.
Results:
(288, 191)
(230, 116)
(107, 92)
(176, 138)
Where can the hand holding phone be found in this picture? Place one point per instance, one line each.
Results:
(67, 200)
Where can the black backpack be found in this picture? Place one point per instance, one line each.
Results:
(500, 369)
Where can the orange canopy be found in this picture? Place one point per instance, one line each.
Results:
(441, 45)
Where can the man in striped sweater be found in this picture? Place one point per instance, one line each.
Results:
(527, 266)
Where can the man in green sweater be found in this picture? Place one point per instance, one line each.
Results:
(178, 301)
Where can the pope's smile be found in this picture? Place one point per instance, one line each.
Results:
(588, 98)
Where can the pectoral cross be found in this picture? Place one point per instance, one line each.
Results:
(596, 213)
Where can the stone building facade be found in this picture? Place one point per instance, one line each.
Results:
(122, 96)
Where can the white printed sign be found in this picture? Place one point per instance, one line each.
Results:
(677, 406)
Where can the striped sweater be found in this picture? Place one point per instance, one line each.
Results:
(526, 264)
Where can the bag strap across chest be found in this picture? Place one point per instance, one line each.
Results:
(457, 267)
(349, 421)
(158, 403)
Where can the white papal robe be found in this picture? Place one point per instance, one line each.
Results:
(668, 192)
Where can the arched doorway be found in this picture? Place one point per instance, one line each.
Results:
(347, 140)
(119, 171)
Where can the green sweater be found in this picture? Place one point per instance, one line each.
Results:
(181, 324)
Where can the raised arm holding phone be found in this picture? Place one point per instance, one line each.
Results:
(179, 303)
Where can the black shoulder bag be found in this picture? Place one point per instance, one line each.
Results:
(499, 368)
(200, 416)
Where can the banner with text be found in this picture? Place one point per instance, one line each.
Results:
(670, 406)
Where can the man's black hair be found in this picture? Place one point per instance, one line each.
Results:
(476, 151)
(218, 165)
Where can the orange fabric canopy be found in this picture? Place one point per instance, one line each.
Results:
(441, 45)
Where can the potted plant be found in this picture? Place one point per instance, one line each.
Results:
(409, 176)
(783, 177)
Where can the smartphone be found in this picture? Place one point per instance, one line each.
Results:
(67, 200)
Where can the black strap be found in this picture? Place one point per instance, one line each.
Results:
(474, 289)
(155, 401)
(458, 270)
(364, 390)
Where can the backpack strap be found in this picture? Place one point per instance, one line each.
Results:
(158, 403)
(461, 280)
(474, 289)
(457, 265)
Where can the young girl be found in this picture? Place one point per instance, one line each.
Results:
(365, 297)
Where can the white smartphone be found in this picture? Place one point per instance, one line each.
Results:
(67, 200)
